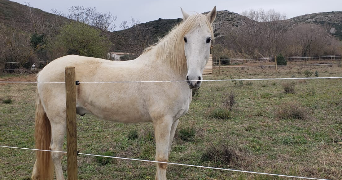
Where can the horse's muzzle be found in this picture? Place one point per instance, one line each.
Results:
(195, 83)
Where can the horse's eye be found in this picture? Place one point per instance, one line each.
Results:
(185, 40)
(208, 40)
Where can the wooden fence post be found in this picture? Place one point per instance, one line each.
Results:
(70, 87)
(276, 63)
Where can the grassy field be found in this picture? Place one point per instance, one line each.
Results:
(291, 127)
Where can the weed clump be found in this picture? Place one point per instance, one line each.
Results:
(289, 88)
(224, 112)
(132, 135)
(220, 113)
(291, 110)
(187, 134)
(106, 160)
(308, 73)
(229, 102)
(7, 101)
(221, 155)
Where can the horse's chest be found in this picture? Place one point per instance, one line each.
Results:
(184, 108)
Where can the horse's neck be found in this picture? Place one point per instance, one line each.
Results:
(170, 52)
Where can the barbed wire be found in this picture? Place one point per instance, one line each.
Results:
(170, 81)
(170, 163)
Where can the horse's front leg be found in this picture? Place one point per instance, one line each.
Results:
(162, 132)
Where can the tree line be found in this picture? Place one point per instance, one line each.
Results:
(270, 34)
(84, 31)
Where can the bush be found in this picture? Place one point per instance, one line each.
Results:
(281, 60)
(316, 73)
(80, 39)
(307, 73)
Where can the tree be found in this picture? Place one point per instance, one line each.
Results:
(265, 35)
(15, 47)
(103, 21)
(80, 39)
(281, 60)
(310, 40)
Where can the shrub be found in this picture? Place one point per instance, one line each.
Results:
(80, 39)
(281, 60)
(307, 73)
(316, 73)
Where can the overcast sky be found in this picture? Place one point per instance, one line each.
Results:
(149, 10)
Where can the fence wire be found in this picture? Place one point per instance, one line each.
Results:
(171, 81)
(171, 163)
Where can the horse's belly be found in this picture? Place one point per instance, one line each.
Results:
(129, 114)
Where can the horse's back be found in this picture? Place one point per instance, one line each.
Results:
(54, 71)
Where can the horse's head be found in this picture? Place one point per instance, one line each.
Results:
(197, 42)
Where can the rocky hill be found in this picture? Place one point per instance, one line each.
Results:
(332, 21)
(19, 17)
(27, 19)
(148, 33)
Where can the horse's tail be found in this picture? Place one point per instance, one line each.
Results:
(43, 168)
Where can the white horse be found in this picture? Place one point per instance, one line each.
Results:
(179, 57)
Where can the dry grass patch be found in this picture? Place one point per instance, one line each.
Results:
(291, 110)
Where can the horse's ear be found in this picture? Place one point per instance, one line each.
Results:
(212, 15)
(185, 15)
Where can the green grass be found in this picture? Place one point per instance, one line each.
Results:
(255, 137)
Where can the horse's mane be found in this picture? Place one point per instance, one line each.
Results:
(171, 47)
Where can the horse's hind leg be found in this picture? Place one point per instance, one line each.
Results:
(58, 132)
(172, 133)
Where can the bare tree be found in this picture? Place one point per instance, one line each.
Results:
(264, 16)
(310, 40)
(103, 21)
(267, 31)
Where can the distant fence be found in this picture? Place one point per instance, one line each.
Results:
(239, 61)
(16, 67)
